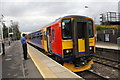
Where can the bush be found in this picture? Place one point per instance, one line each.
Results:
(103, 27)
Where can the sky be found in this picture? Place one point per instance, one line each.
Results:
(32, 15)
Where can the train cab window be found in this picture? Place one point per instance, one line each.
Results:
(90, 25)
(66, 29)
(81, 29)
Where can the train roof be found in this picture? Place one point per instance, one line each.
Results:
(63, 17)
(75, 16)
(59, 20)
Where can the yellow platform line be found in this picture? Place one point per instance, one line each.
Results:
(43, 69)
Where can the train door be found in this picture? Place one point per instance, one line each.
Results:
(80, 37)
(49, 39)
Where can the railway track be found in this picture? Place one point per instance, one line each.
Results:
(90, 74)
(107, 62)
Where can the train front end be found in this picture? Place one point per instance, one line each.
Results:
(78, 42)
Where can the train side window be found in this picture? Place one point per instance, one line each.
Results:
(41, 37)
(45, 35)
(37, 35)
(53, 35)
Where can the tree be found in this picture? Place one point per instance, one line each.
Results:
(5, 31)
(16, 32)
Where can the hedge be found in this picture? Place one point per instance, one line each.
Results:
(103, 27)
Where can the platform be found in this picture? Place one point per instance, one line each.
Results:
(48, 67)
(38, 66)
(13, 66)
(0, 67)
(107, 45)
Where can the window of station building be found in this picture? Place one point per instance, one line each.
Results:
(66, 29)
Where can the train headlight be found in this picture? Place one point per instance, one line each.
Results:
(83, 62)
(90, 48)
(67, 53)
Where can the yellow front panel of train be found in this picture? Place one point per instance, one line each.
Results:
(68, 44)
(91, 42)
(81, 45)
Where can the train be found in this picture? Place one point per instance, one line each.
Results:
(70, 39)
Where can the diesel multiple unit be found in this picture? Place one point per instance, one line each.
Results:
(70, 39)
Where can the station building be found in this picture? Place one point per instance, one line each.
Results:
(110, 18)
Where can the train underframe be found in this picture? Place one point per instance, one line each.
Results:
(79, 64)
(75, 64)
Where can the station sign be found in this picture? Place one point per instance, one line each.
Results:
(11, 33)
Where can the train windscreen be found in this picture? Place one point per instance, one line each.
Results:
(90, 25)
(66, 29)
(81, 29)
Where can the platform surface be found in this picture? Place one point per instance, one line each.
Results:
(13, 65)
(48, 67)
(0, 67)
(107, 45)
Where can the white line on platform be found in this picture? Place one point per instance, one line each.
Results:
(8, 59)
(23, 69)
(9, 55)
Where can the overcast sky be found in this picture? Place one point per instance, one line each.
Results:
(34, 14)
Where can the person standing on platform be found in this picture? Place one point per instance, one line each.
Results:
(24, 45)
(3, 47)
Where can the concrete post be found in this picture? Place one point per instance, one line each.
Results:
(118, 42)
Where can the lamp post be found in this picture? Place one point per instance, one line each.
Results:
(11, 28)
(1, 36)
(8, 37)
(1, 26)
(2, 42)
